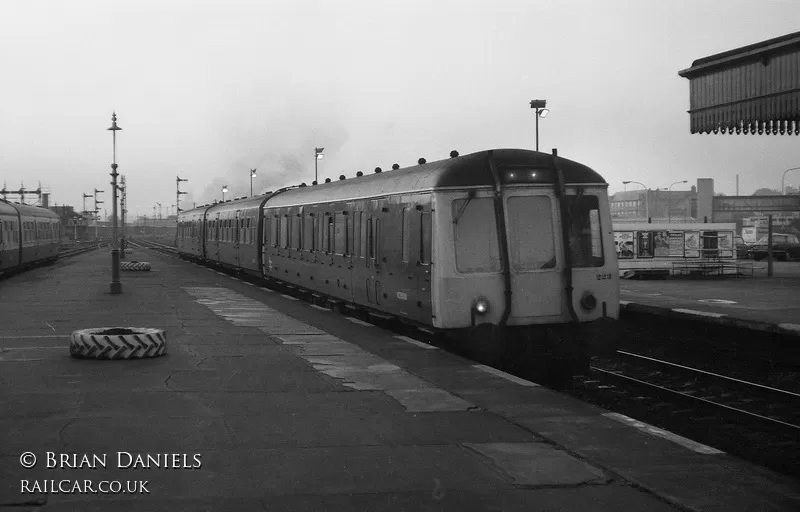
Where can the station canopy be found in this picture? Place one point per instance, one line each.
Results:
(753, 89)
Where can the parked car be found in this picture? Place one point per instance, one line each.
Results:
(785, 246)
(742, 248)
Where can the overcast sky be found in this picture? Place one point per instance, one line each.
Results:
(210, 89)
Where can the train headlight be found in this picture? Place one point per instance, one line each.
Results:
(588, 301)
(481, 306)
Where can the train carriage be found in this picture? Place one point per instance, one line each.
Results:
(498, 247)
(29, 235)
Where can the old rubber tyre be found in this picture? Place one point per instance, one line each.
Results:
(118, 343)
(142, 266)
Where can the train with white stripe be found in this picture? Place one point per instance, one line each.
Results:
(29, 236)
(507, 250)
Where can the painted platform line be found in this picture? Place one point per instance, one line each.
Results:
(289, 297)
(504, 375)
(248, 284)
(265, 289)
(320, 308)
(698, 313)
(416, 342)
(359, 322)
(624, 302)
(665, 434)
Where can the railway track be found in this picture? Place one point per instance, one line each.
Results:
(748, 419)
(752, 420)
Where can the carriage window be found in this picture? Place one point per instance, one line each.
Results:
(295, 232)
(475, 235)
(362, 249)
(585, 241)
(284, 234)
(530, 219)
(404, 233)
(308, 233)
(340, 234)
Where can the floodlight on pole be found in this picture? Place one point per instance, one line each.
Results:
(541, 111)
(252, 175)
(318, 154)
(224, 189)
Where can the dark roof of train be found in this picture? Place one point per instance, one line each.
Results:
(27, 209)
(463, 171)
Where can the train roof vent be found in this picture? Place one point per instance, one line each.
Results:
(341, 176)
(421, 161)
(359, 174)
(453, 154)
(395, 167)
(378, 170)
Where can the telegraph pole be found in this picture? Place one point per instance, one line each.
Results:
(97, 213)
(122, 198)
(116, 285)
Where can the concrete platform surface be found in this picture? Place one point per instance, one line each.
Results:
(264, 403)
(755, 302)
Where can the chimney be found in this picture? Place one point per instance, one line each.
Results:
(45, 200)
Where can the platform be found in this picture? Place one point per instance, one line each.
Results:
(290, 407)
(756, 302)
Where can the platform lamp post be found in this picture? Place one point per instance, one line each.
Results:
(669, 201)
(252, 175)
(224, 189)
(783, 180)
(542, 112)
(116, 285)
(646, 197)
(318, 154)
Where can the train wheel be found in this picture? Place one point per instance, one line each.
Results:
(118, 343)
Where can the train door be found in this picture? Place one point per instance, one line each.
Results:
(378, 260)
(339, 257)
(532, 251)
(424, 263)
(236, 236)
(407, 293)
(214, 238)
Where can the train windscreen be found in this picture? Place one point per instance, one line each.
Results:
(585, 235)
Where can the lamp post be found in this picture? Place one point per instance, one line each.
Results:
(540, 112)
(224, 189)
(252, 175)
(646, 198)
(116, 285)
(669, 201)
(783, 180)
(318, 154)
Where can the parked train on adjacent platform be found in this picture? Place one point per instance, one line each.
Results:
(506, 248)
(29, 235)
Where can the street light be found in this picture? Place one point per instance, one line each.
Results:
(540, 112)
(252, 175)
(224, 189)
(116, 285)
(318, 154)
(646, 198)
(783, 180)
(669, 201)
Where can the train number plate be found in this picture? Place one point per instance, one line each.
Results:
(600, 277)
